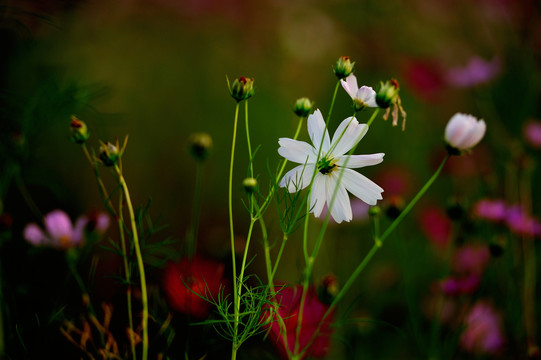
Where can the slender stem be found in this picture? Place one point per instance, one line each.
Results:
(232, 233)
(127, 272)
(332, 101)
(140, 264)
(192, 236)
(101, 186)
(377, 244)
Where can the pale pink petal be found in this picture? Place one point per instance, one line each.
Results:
(58, 225)
(367, 95)
(34, 235)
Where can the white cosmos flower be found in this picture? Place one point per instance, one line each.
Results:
(362, 97)
(464, 131)
(331, 161)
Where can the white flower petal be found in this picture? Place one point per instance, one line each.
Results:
(298, 178)
(350, 85)
(341, 207)
(299, 152)
(367, 95)
(476, 135)
(362, 187)
(319, 194)
(347, 135)
(317, 130)
(358, 161)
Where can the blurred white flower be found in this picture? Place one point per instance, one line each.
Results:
(331, 162)
(463, 132)
(362, 97)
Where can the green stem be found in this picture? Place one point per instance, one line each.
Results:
(192, 236)
(140, 264)
(333, 100)
(232, 234)
(379, 242)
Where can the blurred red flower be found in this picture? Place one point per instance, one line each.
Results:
(189, 282)
(436, 226)
(289, 304)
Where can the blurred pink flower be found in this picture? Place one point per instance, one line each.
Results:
(521, 223)
(460, 285)
(476, 72)
(493, 210)
(186, 283)
(471, 259)
(532, 133)
(436, 226)
(425, 78)
(61, 233)
(289, 300)
(483, 333)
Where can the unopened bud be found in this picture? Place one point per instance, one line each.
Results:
(200, 145)
(303, 107)
(344, 67)
(242, 88)
(387, 93)
(374, 211)
(250, 185)
(328, 289)
(109, 153)
(78, 131)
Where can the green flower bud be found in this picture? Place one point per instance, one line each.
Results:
(328, 289)
(200, 145)
(109, 153)
(387, 93)
(344, 67)
(242, 88)
(374, 211)
(78, 131)
(303, 107)
(249, 185)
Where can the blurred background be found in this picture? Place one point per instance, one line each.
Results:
(156, 70)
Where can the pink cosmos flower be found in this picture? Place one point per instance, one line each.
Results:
(520, 223)
(460, 285)
(289, 300)
(188, 282)
(471, 259)
(464, 131)
(483, 333)
(532, 133)
(362, 97)
(59, 231)
(493, 210)
(476, 72)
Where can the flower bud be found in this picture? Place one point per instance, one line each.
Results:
(249, 185)
(344, 67)
(328, 289)
(242, 88)
(109, 153)
(78, 130)
(200, 145)
(374, 211)
(303, 107)
(387, 93)
(463, 132)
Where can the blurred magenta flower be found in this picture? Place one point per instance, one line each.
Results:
(289, 303)
(471, 259)
(476, 72)
(188, 282)
(521, 223)
(362, 97)
(460, 285)
(463, 132)
(436, 226)
(331, 161)
(61, 233)
(532, 133)
(483, 333)
(492, 210)
(425, 78)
